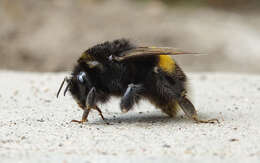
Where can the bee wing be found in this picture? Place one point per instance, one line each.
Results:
(149, 51)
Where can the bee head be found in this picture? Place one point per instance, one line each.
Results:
(79, 84)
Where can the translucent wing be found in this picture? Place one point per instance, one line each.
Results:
(149, 51)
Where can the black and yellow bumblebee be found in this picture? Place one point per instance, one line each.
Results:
(120, 68)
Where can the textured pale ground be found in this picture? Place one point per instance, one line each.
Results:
(34, 125)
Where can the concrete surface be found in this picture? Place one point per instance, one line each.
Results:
(35, 126)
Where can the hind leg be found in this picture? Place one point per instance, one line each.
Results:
(189, 109)
(172, 92)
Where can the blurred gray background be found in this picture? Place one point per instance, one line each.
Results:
(49, 35)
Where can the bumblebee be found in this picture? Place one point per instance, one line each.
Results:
(120, 68)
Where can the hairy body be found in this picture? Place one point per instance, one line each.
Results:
(119, 68)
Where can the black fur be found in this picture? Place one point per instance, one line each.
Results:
(161, 88)
(101, 52)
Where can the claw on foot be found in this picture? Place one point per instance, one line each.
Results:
(124, 110)
(205, 121)
(100, 113)
(77, 121)
(86, 113)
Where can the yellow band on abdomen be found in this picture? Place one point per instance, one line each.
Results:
(166, 63)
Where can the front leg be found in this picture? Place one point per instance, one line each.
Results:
(84, 116)
(130, 97)
(90, 104)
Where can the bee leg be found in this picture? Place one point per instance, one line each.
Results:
(84, 116)
(91, 104)
(100, 113)
(130, 97)
(190, 111)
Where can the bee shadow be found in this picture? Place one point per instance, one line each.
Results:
(151, 118)
(142, 119)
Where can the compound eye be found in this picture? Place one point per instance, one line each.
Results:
(82, 77)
